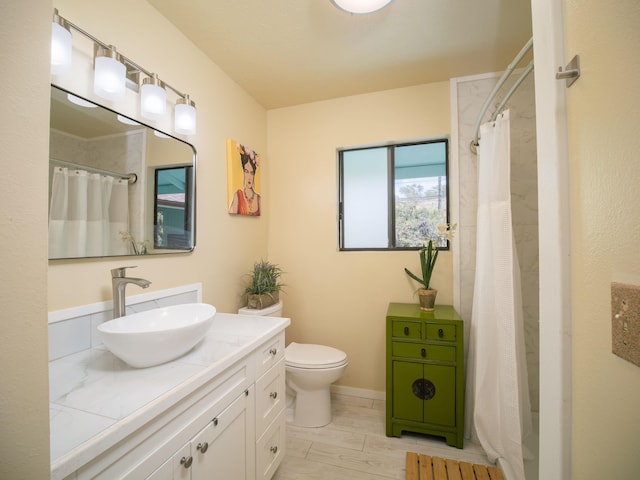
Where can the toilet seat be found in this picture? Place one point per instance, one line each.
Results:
(310, 356)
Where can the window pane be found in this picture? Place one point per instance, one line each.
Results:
(172, 211)
(420, 192)
(365, 198)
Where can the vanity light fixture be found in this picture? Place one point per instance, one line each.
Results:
(109, 74)
(360, 6)
(114, 73)
(60, 45)
(153, 98)
(185, 116)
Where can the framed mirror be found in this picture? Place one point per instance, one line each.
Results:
(116, 187)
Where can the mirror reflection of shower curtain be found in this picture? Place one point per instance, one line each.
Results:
(88, 212)
(498, 411)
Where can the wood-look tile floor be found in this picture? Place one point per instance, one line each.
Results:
(354, 446)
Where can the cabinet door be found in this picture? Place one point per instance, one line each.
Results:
(178, 467)
(440, 406)
(220, 449)
(406, 405)
(424, 393)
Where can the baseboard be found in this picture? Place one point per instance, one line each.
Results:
(358, 392)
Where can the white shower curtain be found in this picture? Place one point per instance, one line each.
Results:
(88, 212)
(498, 405)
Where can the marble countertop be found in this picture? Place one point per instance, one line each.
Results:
(97, 400)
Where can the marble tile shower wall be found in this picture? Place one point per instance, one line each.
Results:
(471, 94)
(75, 329)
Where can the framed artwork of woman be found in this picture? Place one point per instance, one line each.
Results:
(243, 180)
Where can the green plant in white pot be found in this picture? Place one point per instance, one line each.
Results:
(263, 288)
(428, 257)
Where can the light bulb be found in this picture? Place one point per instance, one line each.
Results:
(360, 6)
(109, 75)
(126, 120)
(185, 116)
(60, 45)
(80, 101)
(153, 98)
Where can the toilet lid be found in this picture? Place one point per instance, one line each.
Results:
(307, 355)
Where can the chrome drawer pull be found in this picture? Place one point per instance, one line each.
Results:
(186, 461)
(274, 449)
(273, 395)
(273, 351)
(203, 447)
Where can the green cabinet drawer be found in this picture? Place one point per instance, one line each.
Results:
(400, 329)
(423, 351)
(437, 331)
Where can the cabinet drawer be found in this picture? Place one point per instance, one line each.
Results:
(400, 329)
(270, 449)
(424, 352)
(441, 332)
(270, 396)
(269, 354)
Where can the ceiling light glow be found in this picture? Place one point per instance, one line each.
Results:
(361, 6)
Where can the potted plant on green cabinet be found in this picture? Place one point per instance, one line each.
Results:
(428, 256)
(263, 289)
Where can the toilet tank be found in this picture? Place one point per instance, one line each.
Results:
(274, 310)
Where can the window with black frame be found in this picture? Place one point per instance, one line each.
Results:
(392, 197)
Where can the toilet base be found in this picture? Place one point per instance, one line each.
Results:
(312, 408)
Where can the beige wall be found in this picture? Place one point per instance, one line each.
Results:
(604, 146)
(226, 246)
(24, 118)
(340, 298)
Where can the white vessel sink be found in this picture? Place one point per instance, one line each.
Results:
(157, 336)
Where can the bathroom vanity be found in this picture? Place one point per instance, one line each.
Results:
(216, 412)
(425, 372)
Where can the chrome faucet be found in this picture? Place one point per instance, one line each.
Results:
(119, 282)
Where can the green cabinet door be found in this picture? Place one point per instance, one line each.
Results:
(441, 407)
(424, 393)
(406, 405)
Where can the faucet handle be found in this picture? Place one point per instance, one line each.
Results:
(120, 271)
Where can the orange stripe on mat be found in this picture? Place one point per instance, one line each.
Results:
(425, 467)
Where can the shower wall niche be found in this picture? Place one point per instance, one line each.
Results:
(467, 96)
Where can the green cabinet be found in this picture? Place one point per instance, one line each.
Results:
(425, 372)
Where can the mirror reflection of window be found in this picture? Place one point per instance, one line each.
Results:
(172, 210)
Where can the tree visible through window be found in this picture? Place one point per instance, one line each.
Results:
(394, 196)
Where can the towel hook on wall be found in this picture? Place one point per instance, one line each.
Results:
(571, 72)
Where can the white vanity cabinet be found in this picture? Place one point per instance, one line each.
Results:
(221, 450)
(229, 425)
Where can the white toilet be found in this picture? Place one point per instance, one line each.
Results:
(311, 369)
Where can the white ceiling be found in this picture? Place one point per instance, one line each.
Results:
(289, 52)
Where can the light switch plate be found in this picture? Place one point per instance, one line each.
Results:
(625, 321)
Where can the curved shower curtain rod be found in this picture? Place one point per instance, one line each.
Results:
(496, 88)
